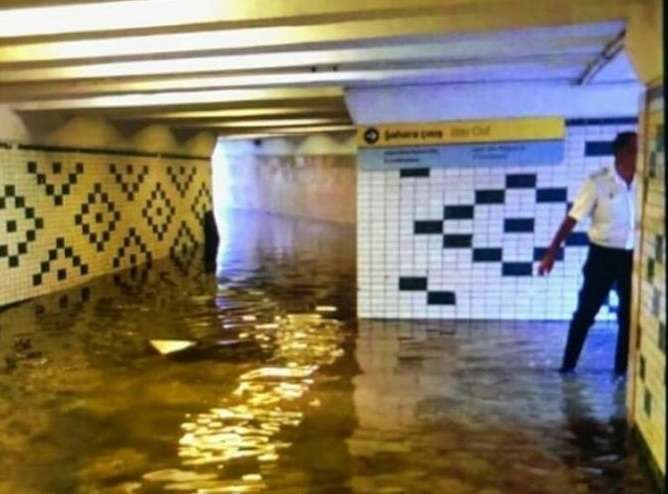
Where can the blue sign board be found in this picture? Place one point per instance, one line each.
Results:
(480, 154)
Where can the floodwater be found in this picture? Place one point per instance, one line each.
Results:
(285, 392)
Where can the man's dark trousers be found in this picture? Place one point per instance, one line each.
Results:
(605, 267)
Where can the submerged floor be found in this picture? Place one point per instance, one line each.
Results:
(275, 400)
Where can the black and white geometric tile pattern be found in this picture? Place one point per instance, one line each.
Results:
(202, 202)
(20, 227)
(182, 177)
(67, 215)
(133, 252)
(129, 177)
(58, 181)
(158, 212)
(97, 217)
(649, 365)
(182, 252)
(68, 261)
(463, 242)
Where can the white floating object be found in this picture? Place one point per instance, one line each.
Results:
(248, 318)
(326, 308)
(165, 347)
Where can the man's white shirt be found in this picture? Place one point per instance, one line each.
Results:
(609, 201)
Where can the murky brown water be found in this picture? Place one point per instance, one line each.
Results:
(279, 397)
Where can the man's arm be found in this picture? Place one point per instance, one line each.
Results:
(547, 262)
(582, 206)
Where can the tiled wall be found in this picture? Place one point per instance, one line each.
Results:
(650, 280)
(320, 187)
(67, 216)
(462, 242)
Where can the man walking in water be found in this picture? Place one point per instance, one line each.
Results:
(608, 198)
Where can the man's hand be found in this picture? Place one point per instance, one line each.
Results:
(546, 263)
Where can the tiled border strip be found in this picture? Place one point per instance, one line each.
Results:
(114, 152)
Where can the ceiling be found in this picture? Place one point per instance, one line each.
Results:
(243, 68)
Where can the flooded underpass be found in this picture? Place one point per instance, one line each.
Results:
(273, 386)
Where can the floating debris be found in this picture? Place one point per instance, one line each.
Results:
(167, 347)
(326, 308)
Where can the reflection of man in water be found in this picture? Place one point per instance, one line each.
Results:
(608, 198)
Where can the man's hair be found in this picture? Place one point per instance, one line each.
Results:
(622, 140)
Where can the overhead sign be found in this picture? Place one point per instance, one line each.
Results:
(511, 153)
(471, 131)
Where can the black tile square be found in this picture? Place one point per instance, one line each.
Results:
(641, 368)
(50, 189)
(84, 269)
(428, 227)
(19, 202)
(521, 181)
(539, 253)
(57, 167)
(458, 212)
(32, 167)
(457, 241)
(11, 226)
(13, 261)
(552, 195)
(60, 242)
(58, 200)
(487, 255)
(579, 239)
(412, 284)
(3, 251)
(647, 402)
(490, 196)
(39, 223)
(658, 248)
(53, 254)
(413, 172)
(518, 225)
(10, 190)
(441, 298)
(36, 280)
(517, 269)
(62, 274)
(30, 213)
(662, 337)
(598, 148)
(650, 270)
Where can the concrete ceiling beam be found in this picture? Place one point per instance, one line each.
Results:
(187, 99)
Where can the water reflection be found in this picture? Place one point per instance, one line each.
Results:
(243, 430)
(284, 392)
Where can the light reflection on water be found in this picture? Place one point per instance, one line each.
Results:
(282, 398)
(246, 425)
